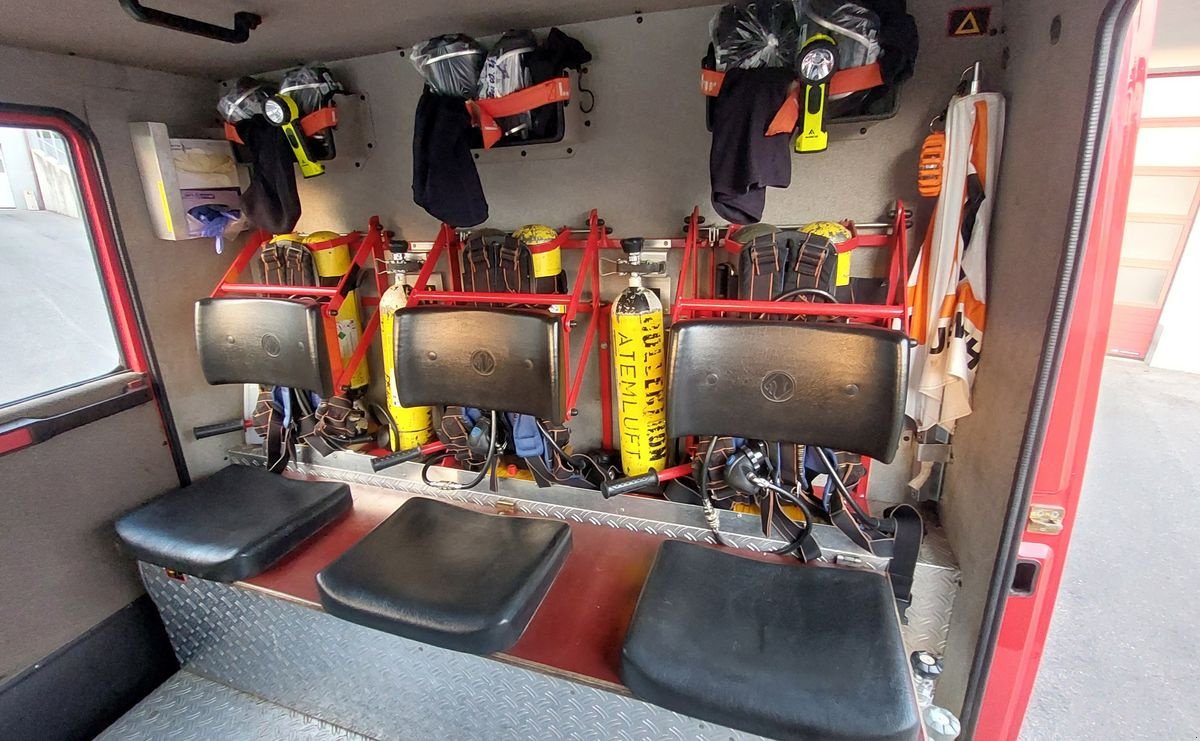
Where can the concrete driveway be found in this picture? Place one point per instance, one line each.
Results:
(1123, 657)
(55, 319)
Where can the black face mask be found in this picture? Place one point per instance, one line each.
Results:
(445, 181)
(271, 202)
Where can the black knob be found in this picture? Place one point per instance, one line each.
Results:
(632, 245)
(398, 246)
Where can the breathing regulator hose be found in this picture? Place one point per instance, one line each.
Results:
(483, 472)
(712, 518)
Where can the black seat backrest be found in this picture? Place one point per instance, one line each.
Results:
(836, 386)
(271, 341)
(503, 359)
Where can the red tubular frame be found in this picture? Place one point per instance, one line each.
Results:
(573, 304)
(689, 305)
(367, 252)
(894, 312)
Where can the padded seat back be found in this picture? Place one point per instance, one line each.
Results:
(504, 359)
(836, 386)
(270, 341)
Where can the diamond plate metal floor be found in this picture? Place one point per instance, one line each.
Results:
(188, 706)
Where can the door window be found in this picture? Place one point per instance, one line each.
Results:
(58, 327)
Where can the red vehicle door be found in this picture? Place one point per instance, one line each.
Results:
(1045, 525)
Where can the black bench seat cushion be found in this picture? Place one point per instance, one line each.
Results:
(232, 525)
(790, 652)
(447, 576)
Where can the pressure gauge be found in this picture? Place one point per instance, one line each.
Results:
(818, 61)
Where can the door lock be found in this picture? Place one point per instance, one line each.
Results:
(1046, 519)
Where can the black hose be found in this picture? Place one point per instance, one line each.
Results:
(483, 472)
(604, 475)
(710, 511)
(836, 480)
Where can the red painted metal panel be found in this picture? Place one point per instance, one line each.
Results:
(1061, 463)
(1132, 330)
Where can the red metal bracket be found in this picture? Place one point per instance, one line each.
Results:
(569, 306)
(893, 312)
(367, 250)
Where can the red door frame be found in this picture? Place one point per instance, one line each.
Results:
(1073, 360)
(115, 271)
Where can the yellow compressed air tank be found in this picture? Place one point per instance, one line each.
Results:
(411, 426)
(330, 265)
(639, 359)
(546, 261)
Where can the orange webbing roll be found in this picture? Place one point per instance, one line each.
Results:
(929, 165)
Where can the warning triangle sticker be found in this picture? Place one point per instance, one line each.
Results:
(969, 21)
(969, 26)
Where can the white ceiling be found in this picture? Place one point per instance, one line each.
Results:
(292, 31)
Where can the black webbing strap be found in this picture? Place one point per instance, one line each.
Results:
(897, 538)
(268, 423)
(761, 266)
(515, 266)
(480, 261)
(811, 263)
(807, 549)
(455, 432)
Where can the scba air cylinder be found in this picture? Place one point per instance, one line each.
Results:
(639, 358)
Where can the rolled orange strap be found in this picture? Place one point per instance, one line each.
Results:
(319, 120)
(313, 123)
(485, 111)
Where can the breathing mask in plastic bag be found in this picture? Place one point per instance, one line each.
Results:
(755, 34)
(450, 64)
(505, 71)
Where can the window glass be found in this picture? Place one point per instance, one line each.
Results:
(1148, 240)
(1172, 97)
(1141, 286)
(1168, 147)
(1169, 195)
(57, 328)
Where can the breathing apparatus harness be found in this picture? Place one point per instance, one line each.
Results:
(523, 262)
(757, 471)
(477, 439)
(282, 416)
(786, 265)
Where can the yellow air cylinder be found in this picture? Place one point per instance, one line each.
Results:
(639, 358)
(547, 262)
(411, 426)
(330, 265)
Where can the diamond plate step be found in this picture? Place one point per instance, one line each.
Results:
(188, 706)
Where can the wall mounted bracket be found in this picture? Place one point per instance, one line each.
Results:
(243, 23)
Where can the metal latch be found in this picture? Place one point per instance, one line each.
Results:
(506, 507)
(1046, 519)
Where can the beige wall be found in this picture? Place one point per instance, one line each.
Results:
(170, 275)
(60, 572)
(1047, 87)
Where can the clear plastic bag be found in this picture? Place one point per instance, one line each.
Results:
(245, 101)
(450, 64)
(505, 71)
(311, 86)
(756, 34)
(853, 27)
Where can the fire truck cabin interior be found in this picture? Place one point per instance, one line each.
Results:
(593, 473)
